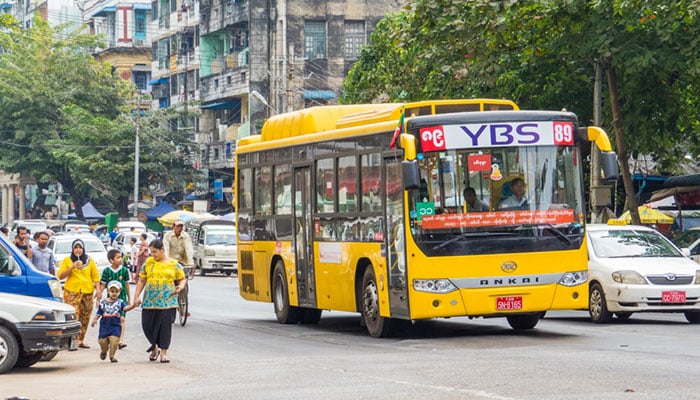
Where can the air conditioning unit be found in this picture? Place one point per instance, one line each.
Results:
(139, 42)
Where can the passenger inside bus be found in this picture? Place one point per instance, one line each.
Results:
(472, 203)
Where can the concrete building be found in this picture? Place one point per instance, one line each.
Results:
(262, 57)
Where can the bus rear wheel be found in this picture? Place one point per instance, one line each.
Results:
(285, 313)
(523, 322)
(377, 326)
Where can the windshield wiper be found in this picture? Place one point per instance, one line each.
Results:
(559, 234)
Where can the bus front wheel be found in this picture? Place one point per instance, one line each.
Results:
(285, 313)
(377, 326)
(523, 322)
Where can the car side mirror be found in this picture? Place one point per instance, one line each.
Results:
(685, 251)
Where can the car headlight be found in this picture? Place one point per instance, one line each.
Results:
(434, 285)
(209, 253)
(629, 278)
(56, 289)
(44, 316)
(697, 276)
(574, 278)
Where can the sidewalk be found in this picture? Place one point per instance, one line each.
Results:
(82, 375)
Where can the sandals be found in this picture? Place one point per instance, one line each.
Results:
(165, 360)
(83, 346)
(154, 355)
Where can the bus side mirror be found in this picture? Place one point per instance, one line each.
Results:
(411, 176)
(608, 166)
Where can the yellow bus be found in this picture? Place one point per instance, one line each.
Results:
(342, 208)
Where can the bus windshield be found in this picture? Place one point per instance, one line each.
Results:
(494, 200)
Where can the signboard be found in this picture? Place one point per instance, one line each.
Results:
(501, 134)
(501, 218)
(218, 189)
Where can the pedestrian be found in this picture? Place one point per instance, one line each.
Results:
(472, 203)
(111, 312)
(105, 239)
(133, 259)
(42, 256)
(22, 241)
(119, 273)
(157, 282)
(81, 280)
(143, 253)
(113, 235)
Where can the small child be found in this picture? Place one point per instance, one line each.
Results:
(110, 312)
(116, 272)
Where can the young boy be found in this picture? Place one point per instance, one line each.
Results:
(110, 312)
(116, 272)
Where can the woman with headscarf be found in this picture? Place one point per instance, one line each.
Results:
(160, 280)
(81, 280)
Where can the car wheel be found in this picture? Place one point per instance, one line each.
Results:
(26, 360)
(377, 326)
(9, 350)
(49, 355)
(201, 271)
(623, 315)
(597, 308)
(692, 316)
(524, 321)
(285, 313)
(228, 273)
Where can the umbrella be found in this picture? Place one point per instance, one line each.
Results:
(170, 217)
(648, 215)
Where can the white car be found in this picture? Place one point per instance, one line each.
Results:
(31, 327)
(636, 269)
(61, 247)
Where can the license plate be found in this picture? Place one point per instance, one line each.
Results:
(674, 296)
(509, 303)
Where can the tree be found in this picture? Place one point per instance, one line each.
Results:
(542, 54)
(65, 118)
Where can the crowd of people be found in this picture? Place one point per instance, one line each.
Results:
(155, 267)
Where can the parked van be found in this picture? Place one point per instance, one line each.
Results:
(18, 275)
(214, 245)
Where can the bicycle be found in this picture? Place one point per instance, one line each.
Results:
(182, 297)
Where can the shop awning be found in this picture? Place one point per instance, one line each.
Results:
(319, 94)
(103, 12)
(142, 6)
(158, 81)
(4, 6)
(223, 105)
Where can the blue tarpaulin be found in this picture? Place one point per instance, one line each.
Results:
(160, 210)
(89, 212)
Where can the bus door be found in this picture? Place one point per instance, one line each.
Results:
(394, 244)
(303, 245)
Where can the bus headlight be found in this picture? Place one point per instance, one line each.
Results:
(628, 277)
(434, 285)
(573, 278)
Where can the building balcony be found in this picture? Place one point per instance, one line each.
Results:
(227, 80)
(219, 14)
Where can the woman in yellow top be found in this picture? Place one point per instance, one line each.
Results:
(82, 278)
(157, 282)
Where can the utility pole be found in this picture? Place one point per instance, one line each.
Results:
(136, 156)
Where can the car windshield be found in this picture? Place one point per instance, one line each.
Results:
(687, 238)
(631, 243)
(225, 238)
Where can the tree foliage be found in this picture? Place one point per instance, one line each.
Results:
(542, 54)
(65, 118)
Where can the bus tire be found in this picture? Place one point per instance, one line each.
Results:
(377, 326)
(310, 316)
(597, 306)
(522, 322)
(285, 313)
